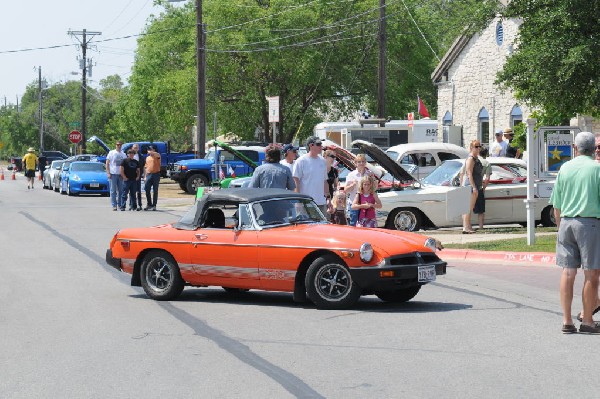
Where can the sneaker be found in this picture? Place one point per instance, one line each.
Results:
(148, 208)
(595, 329)
(123, 209)
(569, 329)
(153, 208)
(138, 209)
(114, 208)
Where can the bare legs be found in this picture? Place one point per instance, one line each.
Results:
(567, 279)
(467, 217)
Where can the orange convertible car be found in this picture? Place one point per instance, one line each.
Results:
(277, 240)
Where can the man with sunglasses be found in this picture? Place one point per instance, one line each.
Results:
(511, 152)
(310, 174)
(114, 159)
(289, 156)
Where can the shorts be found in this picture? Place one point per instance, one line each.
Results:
(29, 173)
(577, 243)
(479, 202)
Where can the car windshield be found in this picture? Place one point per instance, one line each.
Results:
(88, 167)
(286, 211)
(443, 174)
(56, 164)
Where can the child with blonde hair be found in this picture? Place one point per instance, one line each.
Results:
(338, 210)
(366, 202)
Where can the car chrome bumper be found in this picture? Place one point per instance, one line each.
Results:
(114, 262)
(390, 278)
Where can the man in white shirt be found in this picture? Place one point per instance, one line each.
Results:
(113, 171)
(289, 156)
(310, 174)
(498, 148)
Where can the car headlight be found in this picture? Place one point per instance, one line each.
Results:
(366, 252)
(75, 177)
(433, 244)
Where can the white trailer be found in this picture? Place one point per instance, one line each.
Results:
(394, 133)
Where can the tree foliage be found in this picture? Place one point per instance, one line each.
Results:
(556, 62)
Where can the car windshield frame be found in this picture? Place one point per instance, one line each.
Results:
(284, 212)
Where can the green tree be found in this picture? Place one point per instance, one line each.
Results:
(555, 63)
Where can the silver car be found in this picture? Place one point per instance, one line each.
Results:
(50, 174)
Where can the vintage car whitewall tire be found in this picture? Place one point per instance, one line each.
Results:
(405, 219)
(399, 296)
(329, 284)
(160, 276)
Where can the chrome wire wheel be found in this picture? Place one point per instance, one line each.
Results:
(329, 284)
(159, 274)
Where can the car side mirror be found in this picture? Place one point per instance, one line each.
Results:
(456, 181)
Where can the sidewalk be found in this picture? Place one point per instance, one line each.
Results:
(449, 236)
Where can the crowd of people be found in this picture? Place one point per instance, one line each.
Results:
(125, 173)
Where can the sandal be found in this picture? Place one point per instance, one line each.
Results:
(593, 313)
(568, 329)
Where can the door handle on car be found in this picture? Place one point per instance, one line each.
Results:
(201, 236)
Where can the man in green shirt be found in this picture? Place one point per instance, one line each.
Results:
(576, 201)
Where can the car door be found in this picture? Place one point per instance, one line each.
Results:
(226, 256)
(499, 200)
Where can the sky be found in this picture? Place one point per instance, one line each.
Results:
(26, 24)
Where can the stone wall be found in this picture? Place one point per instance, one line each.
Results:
(470, 85)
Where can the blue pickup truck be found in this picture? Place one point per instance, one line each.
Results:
(234, 161)
(167, 157)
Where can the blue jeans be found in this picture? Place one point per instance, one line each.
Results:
(138, 192)
(129, 187)
(116, 190)
(152, 180)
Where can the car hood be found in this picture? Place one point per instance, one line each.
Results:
(96, 139)
(238, 154)
(196, 162)
(347, 159)
(384, 160)
(384, 242)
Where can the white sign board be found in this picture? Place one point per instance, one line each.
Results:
(273, 108)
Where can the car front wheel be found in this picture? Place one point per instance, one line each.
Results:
(329, 284)
(405, 219)
(160, 276)
(548, 219)
(399, 296)
(195, 181)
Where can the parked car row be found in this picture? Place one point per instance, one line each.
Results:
(73, 176)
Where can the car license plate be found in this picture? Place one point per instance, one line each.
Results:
(426, 274)
(95, 185)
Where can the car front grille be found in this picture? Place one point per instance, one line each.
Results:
(414, 259)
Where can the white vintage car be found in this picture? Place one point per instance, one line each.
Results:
(420, 159)
(439, 201)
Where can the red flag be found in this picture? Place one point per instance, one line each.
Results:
(422, 109)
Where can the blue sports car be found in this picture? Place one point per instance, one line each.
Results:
(85, 177)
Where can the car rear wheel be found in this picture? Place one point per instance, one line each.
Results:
(405, 219)
(548, 219)
(399, 296)
(160, 275)
(195, 181)
(329, 284)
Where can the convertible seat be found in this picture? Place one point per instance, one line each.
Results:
(215, 218)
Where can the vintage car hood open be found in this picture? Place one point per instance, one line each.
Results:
(384, 160)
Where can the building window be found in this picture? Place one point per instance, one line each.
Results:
(516, 116)
(499, 33)
(483, 133)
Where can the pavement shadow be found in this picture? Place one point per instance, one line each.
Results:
(284, 299)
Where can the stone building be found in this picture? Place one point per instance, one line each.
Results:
(467, 96)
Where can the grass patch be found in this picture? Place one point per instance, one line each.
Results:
(545, 243)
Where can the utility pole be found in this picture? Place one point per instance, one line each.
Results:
(201, 88)
(83, 65)
(40, 107)
(381, 70)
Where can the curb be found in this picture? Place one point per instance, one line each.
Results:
(519, 258)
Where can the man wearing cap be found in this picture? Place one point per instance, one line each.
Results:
(289, 156)
(310, 174)
(114, 159)
(272, 174)
(152, 168)
(576, 201)
(130, 172)
(511, 152)
(29, 162)
(498, 148)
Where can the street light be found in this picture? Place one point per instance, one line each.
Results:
(201, 76)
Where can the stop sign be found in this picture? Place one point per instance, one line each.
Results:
(75, 137)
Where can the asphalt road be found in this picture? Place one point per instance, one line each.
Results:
(72, 327)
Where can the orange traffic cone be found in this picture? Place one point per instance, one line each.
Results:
(40, 176)
(1, 173)
(13, 176)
